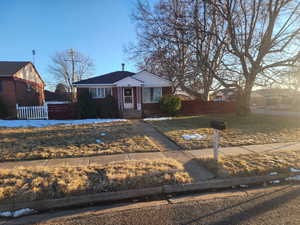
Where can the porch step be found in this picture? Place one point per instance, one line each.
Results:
(132, 114)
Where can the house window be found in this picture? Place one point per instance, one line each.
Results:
(151, 95)
(100, 92)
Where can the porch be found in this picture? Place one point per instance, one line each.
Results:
(130, 102)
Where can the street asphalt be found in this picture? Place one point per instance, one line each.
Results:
(272, 205)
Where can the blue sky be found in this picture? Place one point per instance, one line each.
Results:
(97, 28)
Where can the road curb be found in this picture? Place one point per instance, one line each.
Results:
(44, 205)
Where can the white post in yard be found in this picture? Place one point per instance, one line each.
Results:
(216, 140)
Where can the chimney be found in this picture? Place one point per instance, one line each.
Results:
(123, 66)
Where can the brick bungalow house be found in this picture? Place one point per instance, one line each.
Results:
(20, 83)
(137, 94)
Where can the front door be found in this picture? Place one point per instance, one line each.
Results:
(128, 98)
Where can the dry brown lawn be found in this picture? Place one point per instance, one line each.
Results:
(23, 184)
(253, 164)
(254, 129)
(72, 141)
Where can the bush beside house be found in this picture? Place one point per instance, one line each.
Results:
(88, 107)
(108, 108)
(170, 104)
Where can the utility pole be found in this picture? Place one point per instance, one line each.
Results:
(72, 60)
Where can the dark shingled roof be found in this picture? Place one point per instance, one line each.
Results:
(108, 78)
(10, 68)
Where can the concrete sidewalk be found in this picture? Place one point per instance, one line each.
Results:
(247, 149)
(195, 170)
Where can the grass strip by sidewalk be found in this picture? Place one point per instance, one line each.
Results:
(29, 184)
(253, 164)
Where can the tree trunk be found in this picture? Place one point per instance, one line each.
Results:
(243, 100)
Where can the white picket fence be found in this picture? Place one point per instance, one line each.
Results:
(32, 112)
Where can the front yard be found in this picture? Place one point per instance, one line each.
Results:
(72, 141)
(28, 184)
(253, 164)
(254, 129)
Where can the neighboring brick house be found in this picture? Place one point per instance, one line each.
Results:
(137, 94)
(224, 95)
(20, 83)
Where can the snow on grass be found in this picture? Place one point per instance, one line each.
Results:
(157, 119)
(99, 141)
(274, 182)
(45, 123)
(293, 170)
(294, 178)
(193, 137)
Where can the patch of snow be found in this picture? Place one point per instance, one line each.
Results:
(244, 186)
(273, 173)
(57, 102)
(6, 214)
(45, 123)
(99, 141)
(103, 134)
(158, 118)
(274, 181)
(295, 178)
(293, 170)
(18, 213)
(23, 212)
(193, 136)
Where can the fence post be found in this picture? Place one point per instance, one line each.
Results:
(46, 111)
(17, 108)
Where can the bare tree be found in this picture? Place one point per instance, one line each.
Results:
(174, 40)
(61, 92)
(262, 38)
(70, 66)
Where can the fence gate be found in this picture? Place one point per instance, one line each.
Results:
(32, 112)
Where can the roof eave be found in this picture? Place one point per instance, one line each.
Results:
(6, 75)
(75, 85)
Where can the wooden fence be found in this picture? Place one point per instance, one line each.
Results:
(62, 111)
(192, 108)
(32, 112)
